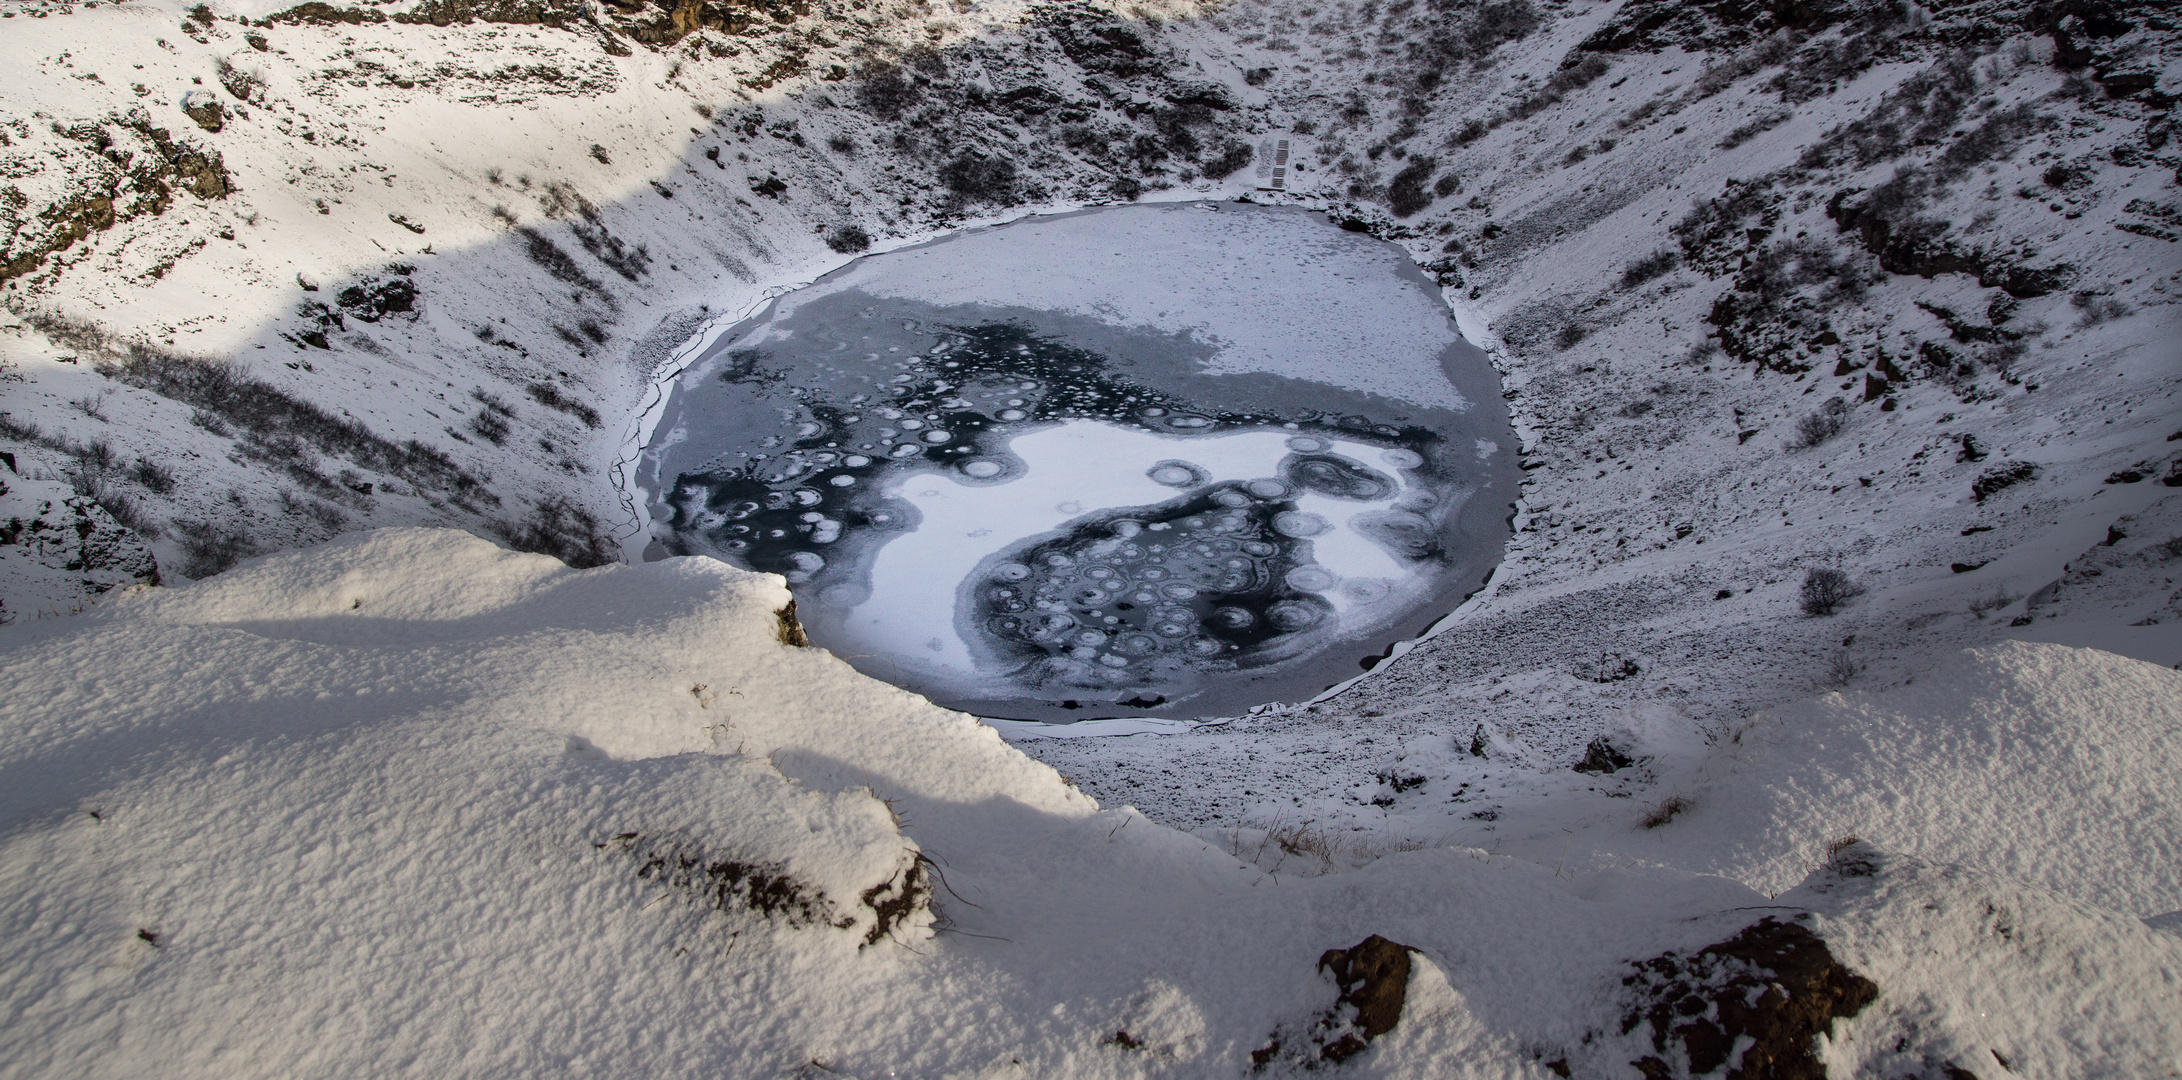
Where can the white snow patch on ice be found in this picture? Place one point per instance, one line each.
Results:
(915, 576)
(1276, 292)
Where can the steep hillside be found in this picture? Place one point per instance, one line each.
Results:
(1771, 296)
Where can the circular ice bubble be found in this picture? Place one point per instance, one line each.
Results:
(1308, 444)
(1340, 477)
(1205, 647)
(1408, 535)
(1402, 459)
(856, 461)
(1137, 644)
(937, 436)
(982, 468)
(1012, 414)
(844, 594)
(1365, 590)
(1310, 579)
(1177, 474)
(1300, 524)
(1232, 499)
(1233, 618)
(843, 480)
(1267, 488)
(804, 564)
(1010, 571)
(1293, 615)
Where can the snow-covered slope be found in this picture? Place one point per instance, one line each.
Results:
(408, 802)
(425, 261)
(1609, 242)
(1611, 192)
(1986, 760)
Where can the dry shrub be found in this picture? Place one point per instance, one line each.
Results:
(1650, 266)
(847, 239)
(1822, 425)
(563, 530)
(1664, 811)
(1825, 589)
(209, 548)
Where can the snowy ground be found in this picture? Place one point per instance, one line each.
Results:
(1679, 235)
(410, 802)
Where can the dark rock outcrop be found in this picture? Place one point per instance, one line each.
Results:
(1774, 982)
(1374, 979)
(1373, 976)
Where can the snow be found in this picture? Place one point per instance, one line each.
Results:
(964, 524)
(1599, 564)
(1280, 293)
(1986, 760)
(403, 880)
(357, 795)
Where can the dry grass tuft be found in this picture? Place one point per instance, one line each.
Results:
(1664, 811)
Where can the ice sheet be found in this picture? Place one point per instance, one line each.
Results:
(890, 453)
(1275, 291)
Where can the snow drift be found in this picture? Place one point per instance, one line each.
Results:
(2043, 763)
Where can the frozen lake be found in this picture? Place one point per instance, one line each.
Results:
(1171, 460)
